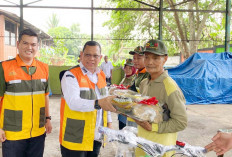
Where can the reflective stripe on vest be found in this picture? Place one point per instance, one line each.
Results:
(77, 128)
(23, 104)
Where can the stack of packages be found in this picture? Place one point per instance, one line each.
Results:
(136, 106)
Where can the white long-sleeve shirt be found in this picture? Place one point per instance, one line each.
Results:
(71, 91)
(107, 68)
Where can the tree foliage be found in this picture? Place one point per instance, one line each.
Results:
(70, 37)
(67, 44)
(182, 31)
(56, 54)
(53, 21)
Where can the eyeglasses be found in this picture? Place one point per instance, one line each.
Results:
(90, 56)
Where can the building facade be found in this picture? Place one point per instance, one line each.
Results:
(9, 30)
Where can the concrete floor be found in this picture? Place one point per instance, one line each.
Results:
(204, 121)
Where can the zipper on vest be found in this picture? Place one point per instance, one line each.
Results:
(103, 136)
(32, 105)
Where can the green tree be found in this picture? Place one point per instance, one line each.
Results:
(74, 44)
(66, 47)
(185, 28)
(56, 54)
(53, 21)
(71, 38)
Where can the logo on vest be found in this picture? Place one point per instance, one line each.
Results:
(83, 80)
(12, 73)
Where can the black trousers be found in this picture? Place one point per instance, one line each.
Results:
(72, 153)
(108, 81)
(121, 125)
(32, 147)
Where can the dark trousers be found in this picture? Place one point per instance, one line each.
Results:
(32, 147)
(72, 153)
(121, 125)
(108, 81)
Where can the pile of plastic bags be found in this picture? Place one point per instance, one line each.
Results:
(136, 106)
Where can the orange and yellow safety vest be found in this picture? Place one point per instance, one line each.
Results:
(77, 128)
(23, 102)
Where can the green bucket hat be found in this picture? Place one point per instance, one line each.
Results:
(156, 47)
(129, 62)
(138, 50)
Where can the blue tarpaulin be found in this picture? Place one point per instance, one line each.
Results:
(205, 78)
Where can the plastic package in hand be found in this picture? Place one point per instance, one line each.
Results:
(116, 87)
(133, 105)
(151, 113)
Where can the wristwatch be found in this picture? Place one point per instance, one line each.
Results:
(96, 105)
(49, 117)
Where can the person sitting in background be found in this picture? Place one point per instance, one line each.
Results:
(128, 80)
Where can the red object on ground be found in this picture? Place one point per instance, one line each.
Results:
(181, 144)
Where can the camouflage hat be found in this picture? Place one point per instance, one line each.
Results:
(129, 62)
(156, 47)
(138, 50)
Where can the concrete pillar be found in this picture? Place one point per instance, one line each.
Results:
(2, 29)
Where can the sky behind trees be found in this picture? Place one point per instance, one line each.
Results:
(67, 17)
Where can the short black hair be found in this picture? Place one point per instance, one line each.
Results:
(27, 32)
(92, 43)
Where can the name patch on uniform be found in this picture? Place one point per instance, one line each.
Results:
(43, 80)
(70, 76)
(15, 81)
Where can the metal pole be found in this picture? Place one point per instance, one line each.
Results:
(125, 9)
(228, 16)
(21, 16)
(160, 20)
(91, 20)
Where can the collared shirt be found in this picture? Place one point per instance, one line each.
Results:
(141, 71)
(106, 68)
(140, 75)
(166, 91)
(128, 81)
(71, 92)
(29, 69)
(21, 63)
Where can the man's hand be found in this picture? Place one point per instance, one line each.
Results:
(106, 105)
(222, 142)
(109, 125)
(2, 135)
(48, 126)
(144, 124)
